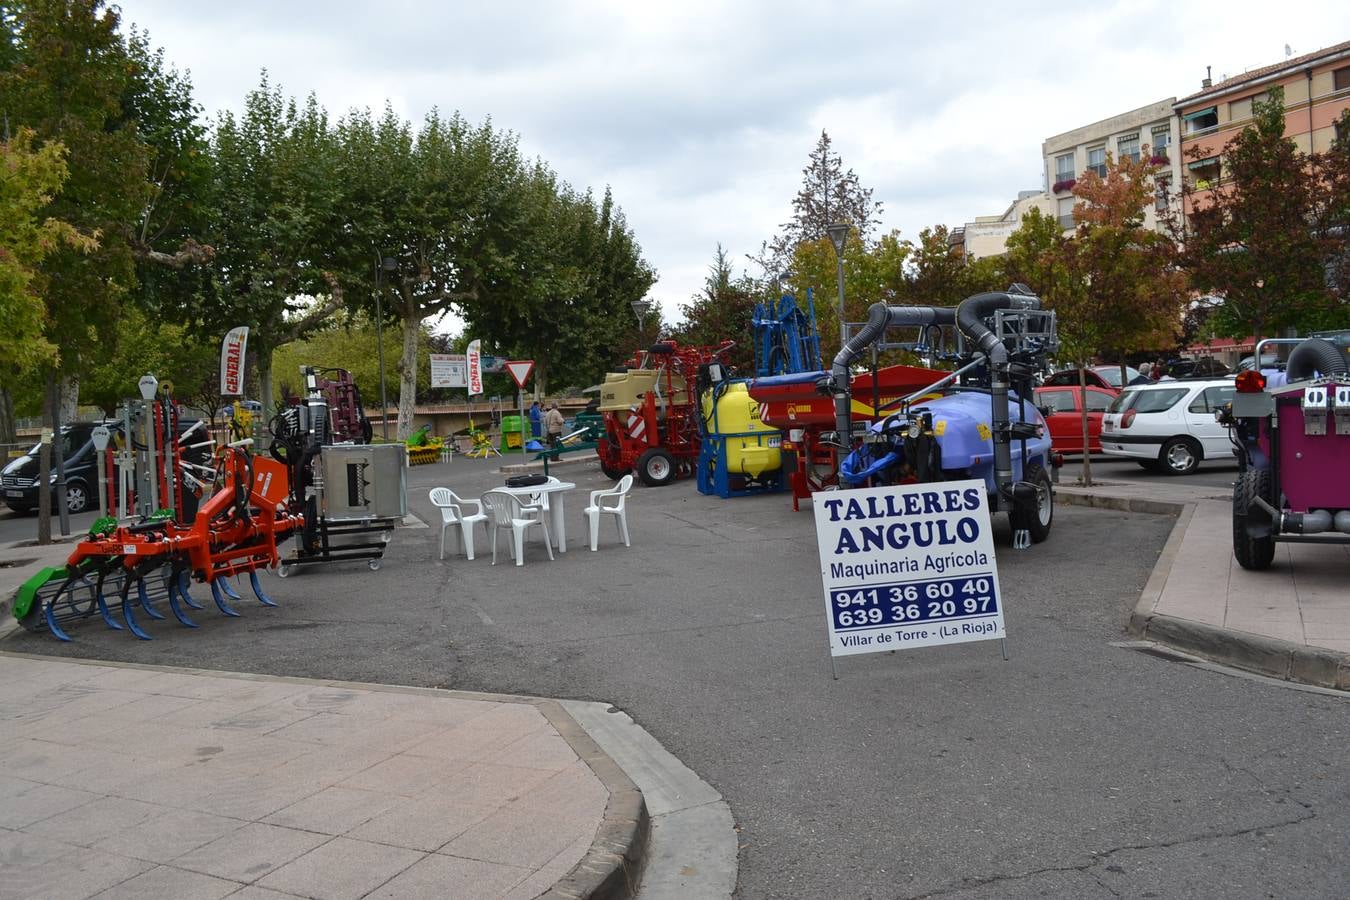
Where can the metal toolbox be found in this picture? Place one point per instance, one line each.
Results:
(364, 481)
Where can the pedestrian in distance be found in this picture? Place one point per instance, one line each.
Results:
(1142, 377)
(536, 418)
(553, 424)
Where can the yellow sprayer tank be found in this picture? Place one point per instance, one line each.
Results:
(755, 449)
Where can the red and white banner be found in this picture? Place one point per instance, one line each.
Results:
(475, 356)
(232, 351)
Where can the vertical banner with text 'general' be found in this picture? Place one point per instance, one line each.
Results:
(232, 351)
(474, 353)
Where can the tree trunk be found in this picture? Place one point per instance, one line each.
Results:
(407, 369)
(1083, 415)
(8, 431)
(45, 465)
(262, 435)
(70, 398)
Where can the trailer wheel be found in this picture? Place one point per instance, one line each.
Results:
(1254, 553)
(656, 467)
(1038, 520)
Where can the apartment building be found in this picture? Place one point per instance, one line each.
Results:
(988, 235)
(1149, 132)
(1316, 92)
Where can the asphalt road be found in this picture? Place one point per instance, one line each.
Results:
(1075, 769)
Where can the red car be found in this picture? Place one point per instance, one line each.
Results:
(1066, 424)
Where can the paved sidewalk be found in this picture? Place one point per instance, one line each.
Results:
(1291, 621)
(134, 781)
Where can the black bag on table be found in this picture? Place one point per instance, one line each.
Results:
(516, 481)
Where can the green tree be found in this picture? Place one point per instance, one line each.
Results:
(276, 216)
(1251, 238)
(30, 179)
(829, 195)
(723, 311)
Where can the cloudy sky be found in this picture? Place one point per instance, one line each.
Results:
(701, 115)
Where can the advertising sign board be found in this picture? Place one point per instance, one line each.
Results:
(449, 370)
(908, 566)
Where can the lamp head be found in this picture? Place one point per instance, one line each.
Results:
(838, 233)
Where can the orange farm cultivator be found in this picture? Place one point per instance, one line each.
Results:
(235, 532)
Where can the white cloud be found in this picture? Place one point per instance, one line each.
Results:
(701, 115)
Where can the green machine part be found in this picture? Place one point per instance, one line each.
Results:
(23, 601)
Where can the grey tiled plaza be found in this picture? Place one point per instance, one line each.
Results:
(125, 781)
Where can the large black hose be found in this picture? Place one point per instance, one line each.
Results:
(970, 316)
(1312, 356)
(879, 318)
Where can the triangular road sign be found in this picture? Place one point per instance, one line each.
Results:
(520, 371)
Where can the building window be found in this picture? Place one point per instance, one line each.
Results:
(1064, 176)
(1162, 193)
(1202, 120)
(1161, 143)
(1341, 79)
(1240, 110)
(1097, 161)
(1128, 146)
(1205, 173)
(1065, 210)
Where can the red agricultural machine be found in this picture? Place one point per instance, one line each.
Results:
(651, 413)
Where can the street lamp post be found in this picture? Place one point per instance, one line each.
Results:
(640, 309)
(838, 234)
(382, 264)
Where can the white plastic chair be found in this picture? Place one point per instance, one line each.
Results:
(507, 511)
(610, 501)
(455, 511)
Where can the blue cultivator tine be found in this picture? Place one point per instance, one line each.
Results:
(229, 591)
(49, 613)
(257, 589)
(144, 596)
(103, 608)
(178, 610)
(127, 615)
(220, 600)
(183, 583)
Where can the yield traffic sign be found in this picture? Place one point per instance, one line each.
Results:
(520, 371)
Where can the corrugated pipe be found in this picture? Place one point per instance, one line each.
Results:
(879, 318)
(970, 316)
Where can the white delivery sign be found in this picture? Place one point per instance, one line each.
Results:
(908, 566)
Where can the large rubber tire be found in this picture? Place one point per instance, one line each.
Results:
(1180, 456)
(1251, 553)
(1039, 520)
(656, 467)
(77, 496)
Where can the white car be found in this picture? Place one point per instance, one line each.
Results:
(1169, 426)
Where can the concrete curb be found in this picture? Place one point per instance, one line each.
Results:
(611, 868)
(1263, 655)
(1122, 504)
(1251, 652)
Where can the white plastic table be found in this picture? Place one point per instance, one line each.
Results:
(557, 521)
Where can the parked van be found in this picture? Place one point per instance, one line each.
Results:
(19, 479)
